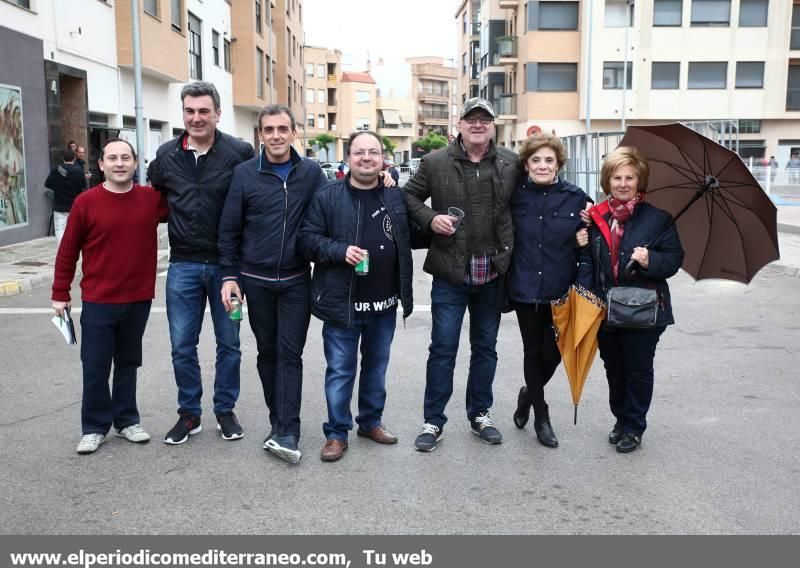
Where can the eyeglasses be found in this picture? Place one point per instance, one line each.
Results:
(371, 153)
(475, 119)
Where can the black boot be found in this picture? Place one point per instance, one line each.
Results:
(616, 433)
(544, 431)
(523, 412)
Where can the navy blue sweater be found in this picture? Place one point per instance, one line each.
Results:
(545, 258)
(262, 216)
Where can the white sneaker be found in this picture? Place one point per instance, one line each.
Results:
(134, 433)
(90, 442)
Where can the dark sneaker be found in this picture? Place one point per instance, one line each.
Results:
(285, 447)
(428, 438)
(616, 433)
(628, 443)
(229, 426)
(187, 425)
(483, 427)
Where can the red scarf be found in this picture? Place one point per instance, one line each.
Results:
(621, 211)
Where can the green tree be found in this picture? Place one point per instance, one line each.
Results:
(322, 140)
(388, 146)
(430, 142)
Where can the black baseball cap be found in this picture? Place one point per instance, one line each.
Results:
(476, 103)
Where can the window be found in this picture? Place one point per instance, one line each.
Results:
(749, 74)
(195, 49)
(151, 7)
(552, 15)
(309, 69)
(321, 121)
(310, 95)
(288, 41)
(464, 20)
(794, 42)
(215, 46)
(753, 13)
(793, 88)
(362, 124)
(267, 71)
(362, 96)
(708, 75)
(226, 54)
(613, 75)
(321, 70)
(310, 120)
(619, 13)
(667, 12)
(258, 17)
(176, 14)
(711, 12)
(666, 75)
(551, 77)
(322, 96)
(259, 73)
(22, 3)
(749, 126)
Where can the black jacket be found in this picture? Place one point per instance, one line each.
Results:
(665, 256)
(545, 258)
(196, 194)
(441, 177)
(262, 216)
(330, 226)
(66, 181)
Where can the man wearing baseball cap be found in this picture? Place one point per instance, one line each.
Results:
(475, 177)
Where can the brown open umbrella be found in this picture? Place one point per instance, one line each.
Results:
(576, 318)
(726, 222)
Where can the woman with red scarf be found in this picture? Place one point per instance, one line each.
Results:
(626, 228)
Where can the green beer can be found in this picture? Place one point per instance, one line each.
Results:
(362, 268)
(235, 314)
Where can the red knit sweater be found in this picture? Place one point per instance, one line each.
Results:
(117, 234)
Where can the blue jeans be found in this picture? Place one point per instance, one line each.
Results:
(111, 333)
(279, 313)
(376, 332)
(448, 305)
(189, 285)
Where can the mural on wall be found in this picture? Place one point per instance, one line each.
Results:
(13, 197)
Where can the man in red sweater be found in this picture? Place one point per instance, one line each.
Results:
(114, 225)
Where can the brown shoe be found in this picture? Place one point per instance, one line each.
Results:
(379, 434)
(333, 450)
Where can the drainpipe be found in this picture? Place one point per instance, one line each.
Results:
(137, 88)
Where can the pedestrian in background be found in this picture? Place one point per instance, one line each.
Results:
(340, 172)
(113, 226)
(345, 222)
(66, 181)
(195, 171)
(474, 177)
(623, 229)
(546, 213)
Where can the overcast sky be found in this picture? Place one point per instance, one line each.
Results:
(392, 30)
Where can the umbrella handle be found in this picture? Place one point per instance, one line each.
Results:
(631, 268)
(575, 417)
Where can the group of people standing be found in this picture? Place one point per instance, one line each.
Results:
(247, 225)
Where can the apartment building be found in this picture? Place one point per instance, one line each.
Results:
(322, 69)
(68, 75)
(432, 88)
(679, 60)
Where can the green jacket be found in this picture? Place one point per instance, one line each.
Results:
(485, 230)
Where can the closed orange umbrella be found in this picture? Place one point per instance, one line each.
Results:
(576, 319)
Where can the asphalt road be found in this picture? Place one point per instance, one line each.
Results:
(720, 455)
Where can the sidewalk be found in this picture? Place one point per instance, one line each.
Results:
(29, 265)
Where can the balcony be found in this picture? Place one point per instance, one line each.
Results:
(506, 50)
(506, 107)
(474, 71)
(792, 99)
(475, 28)
(441, 117)
(433, 95)
(509, 4)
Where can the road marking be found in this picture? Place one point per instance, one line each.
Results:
(153, 310)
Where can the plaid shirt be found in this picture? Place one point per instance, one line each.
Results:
(479, 271)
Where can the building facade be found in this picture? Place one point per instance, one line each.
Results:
(432, 89)
(561, 65)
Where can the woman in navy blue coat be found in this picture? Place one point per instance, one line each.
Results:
(546, 213)
(625, 228)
